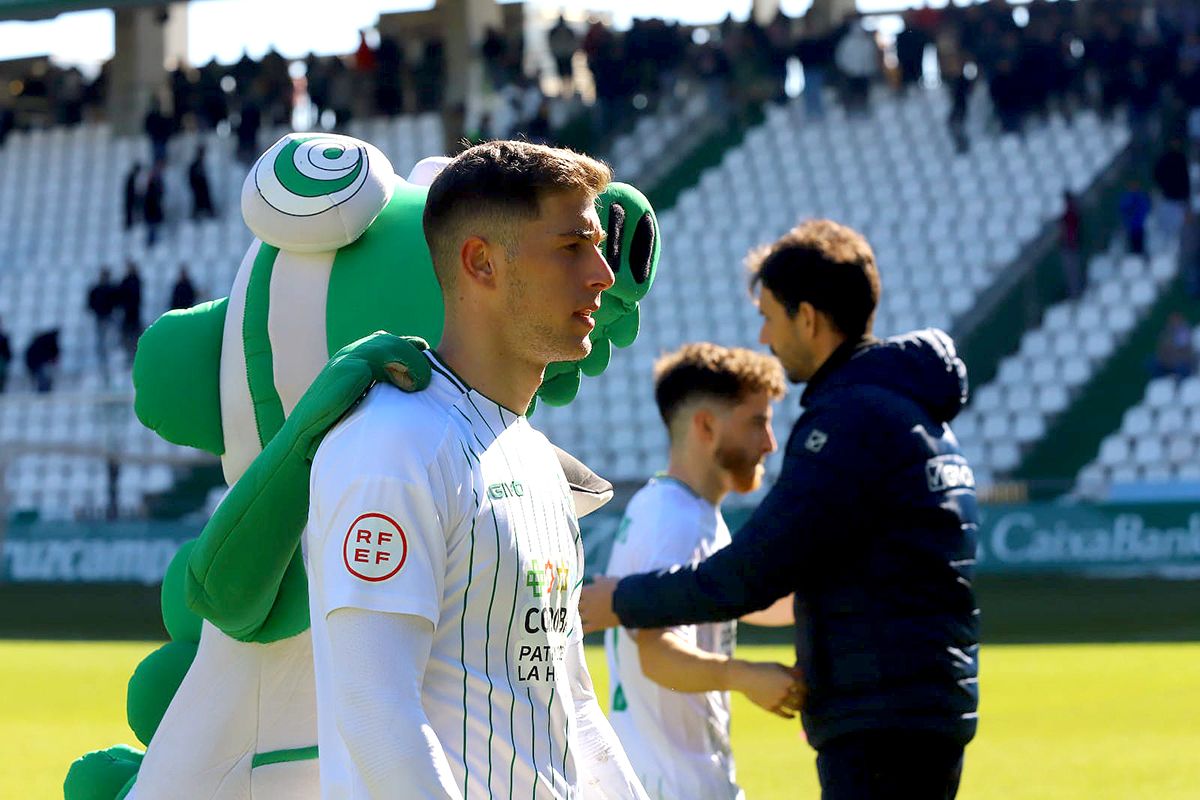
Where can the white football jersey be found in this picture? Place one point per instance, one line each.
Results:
(677, 742)
(445, 505)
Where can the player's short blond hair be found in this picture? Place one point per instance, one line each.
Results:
(703, 370)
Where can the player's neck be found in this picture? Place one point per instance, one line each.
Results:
(702, 478)
(478, 357)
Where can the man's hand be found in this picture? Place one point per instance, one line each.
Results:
(596, 605)
(772, 687)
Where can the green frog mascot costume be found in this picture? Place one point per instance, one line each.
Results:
(227, 708)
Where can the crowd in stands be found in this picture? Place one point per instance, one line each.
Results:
(116, 309)
(41, 356)
(1031, 58)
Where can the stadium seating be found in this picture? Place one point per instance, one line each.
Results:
(1158, 440)
(1057, 358)
(944, 228)
(660, 140)
(60, 221)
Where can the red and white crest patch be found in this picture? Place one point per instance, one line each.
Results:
(375, 547)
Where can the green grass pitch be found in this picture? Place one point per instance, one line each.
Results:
(1058, 721)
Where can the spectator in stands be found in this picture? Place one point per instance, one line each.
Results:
(714, 72)
(389, 79)
(202, 205)
(152, 204)
(1189, 253)
(563, 44)
(1175, 354)
(8, 119)
(5, 356)
(493, 49)
(159, 128)
(1174, 185)
(1008, 93)
(366, 69)
(249, 121)
(1142, 91)
(780, 46)
(129, 300)
(317, 75)
(1187, 87)
(101, 301)
(212, 106)
(961, 78)
(857, 57)
(133, 195)
(364, 56)
(183, 295)
(910, 50)
(1134, 208)
(40, 358)
(1069, 248)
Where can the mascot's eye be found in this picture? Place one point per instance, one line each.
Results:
(616, 229)
(641, 250)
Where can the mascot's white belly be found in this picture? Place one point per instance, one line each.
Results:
(239, 703)
(243, 702)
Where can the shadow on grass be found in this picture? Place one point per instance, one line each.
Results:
(1041, 609)
(1050, 609)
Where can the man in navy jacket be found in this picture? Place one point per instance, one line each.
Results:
(872, 523)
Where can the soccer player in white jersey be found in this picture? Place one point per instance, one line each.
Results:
(443, 550)
(670, 686)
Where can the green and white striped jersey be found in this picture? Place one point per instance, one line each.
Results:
(445, 505)
(678, 742)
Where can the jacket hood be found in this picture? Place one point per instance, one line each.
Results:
(922, 366)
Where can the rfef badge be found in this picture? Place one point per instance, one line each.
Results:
(375, 547)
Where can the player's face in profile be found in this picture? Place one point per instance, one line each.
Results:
(780, 332)
(744, 439)
(556, 277)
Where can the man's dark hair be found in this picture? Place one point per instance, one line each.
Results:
(491, 186)
(827, 265)
(710, 371)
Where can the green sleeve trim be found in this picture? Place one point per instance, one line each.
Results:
(256, 339)
(284, 756)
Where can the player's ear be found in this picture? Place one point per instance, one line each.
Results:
(704, 424)
(476, 261)
(806, 318)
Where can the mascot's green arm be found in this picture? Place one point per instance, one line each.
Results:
(245, 573)
(177, 371)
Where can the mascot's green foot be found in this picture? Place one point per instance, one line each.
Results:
(103, 774)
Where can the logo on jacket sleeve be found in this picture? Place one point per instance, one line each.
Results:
(375, 547)
(816, 440)
(944, 473)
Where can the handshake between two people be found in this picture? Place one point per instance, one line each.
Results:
(669, 661)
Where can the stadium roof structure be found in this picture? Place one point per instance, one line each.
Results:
(46, 9)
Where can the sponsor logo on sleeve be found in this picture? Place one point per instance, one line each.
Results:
(375, 547)
(816, 440)
(944, 473)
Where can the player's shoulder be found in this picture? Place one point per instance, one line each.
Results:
(668, 508)
(388, 429)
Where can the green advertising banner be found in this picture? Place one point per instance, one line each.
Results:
(1111, 540)
(100, 552)
(1161, 539)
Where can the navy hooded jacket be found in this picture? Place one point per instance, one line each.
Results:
(873, 524)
